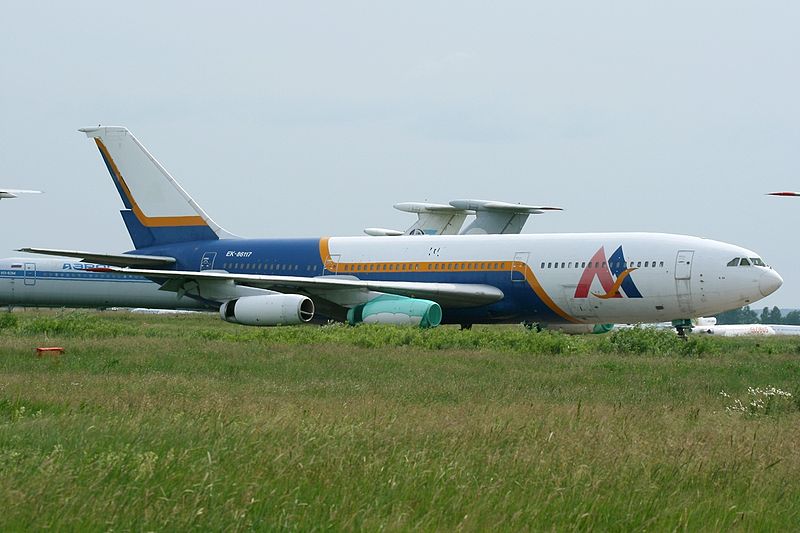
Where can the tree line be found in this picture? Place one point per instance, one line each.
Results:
(745, 315)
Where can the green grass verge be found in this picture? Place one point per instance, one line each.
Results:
(185, 422)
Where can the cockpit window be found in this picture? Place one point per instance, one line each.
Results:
(733, 262)
(758, 262)
(745, 262)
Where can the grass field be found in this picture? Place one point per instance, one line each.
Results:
(186, 422)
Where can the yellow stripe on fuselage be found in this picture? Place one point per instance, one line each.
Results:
(612, 292)
(441, 266)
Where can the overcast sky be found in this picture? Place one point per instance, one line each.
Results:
(309, 119)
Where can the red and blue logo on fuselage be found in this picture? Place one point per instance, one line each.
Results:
(613, 274)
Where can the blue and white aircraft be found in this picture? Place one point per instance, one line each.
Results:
(59, 282)
(565, 281)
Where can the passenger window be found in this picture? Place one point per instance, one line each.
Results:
(549, 265)
(639, 264)
(562, 265)
(744, 262)
(733, 262)
(555, 265)
(661, 264)
(583, 265)
(645, 264)
(542, 265)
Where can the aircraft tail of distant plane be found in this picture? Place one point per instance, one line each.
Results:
(157, 209)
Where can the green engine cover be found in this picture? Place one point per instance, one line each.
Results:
(399, 310)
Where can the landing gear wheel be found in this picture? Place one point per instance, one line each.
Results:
(683, 327)
(465, 327)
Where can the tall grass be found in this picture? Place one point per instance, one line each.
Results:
(189, 423)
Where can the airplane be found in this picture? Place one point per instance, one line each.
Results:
(709, 326)
(557, 280)
(491, 217)
(56, 282)
(13, 193)
(784, 193)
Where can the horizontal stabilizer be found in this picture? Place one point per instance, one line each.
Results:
(493, 217)
(424, 207)
(120, 260)
(383, 232)
(493, 205)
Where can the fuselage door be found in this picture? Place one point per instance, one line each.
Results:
(29, 273)
(683, 276)
(331, 264)
(683, 264)
(519, 265)
(207, 261)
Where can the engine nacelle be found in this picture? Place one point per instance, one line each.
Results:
(268, 310)
(582, 329)
(397, 310)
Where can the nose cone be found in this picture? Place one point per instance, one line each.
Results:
(770, 282)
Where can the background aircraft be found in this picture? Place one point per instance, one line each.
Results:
(56, 282)
(491, 217)
(709, 326)
(556, 279)
(13, 193)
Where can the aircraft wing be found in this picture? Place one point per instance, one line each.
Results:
(12, 193)
(452, 295)
(122, 260)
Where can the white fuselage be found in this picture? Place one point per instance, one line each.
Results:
(669, 276)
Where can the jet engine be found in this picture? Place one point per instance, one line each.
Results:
(397, 310)
(268, 310)
(582, 329)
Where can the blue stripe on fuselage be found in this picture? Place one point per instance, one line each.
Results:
(71, 275)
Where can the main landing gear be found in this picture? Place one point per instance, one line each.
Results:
(682, 326)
